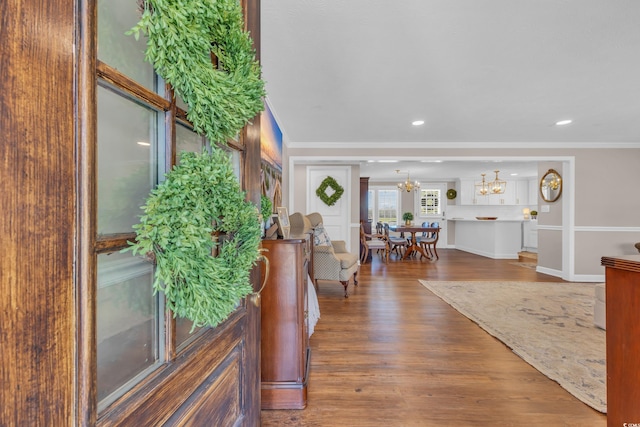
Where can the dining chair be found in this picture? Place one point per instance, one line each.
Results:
(396, 244)
(423, 235)
(371, 242)
(379, 228)
(429, 241)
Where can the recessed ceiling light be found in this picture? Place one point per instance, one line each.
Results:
(417, 122)
(563, 122)
(146, 144)
(514, 174)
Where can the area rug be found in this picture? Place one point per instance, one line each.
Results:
(549, 325)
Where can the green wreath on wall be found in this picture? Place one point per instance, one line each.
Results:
(321, 192)
(200, 197)
(182, 34)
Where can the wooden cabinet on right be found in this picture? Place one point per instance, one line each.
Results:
(623, 339)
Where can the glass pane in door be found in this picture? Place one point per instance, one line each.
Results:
(119, 50)
(127, 311)
(127, 135)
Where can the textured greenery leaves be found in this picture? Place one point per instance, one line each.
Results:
(321, 192)
(181, 36)
(266, 207)
(199, 197)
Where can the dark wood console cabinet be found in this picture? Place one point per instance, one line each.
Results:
(623, 339)
(285, 338)
(364, 204)
(364, 209)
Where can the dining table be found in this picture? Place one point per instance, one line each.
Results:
(413, 242)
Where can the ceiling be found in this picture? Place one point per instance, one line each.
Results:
(350, 74)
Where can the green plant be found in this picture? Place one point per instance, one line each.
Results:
(534, 213)
(182, 34)
(266, 207)
(407, 216)
(200, 198)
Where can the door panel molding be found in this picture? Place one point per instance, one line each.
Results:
(336, 218)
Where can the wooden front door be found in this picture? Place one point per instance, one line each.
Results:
(87, 132)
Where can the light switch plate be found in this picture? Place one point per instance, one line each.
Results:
(544, 208)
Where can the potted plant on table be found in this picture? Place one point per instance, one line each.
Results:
(407, 217)
(534, 214)
(266, 210)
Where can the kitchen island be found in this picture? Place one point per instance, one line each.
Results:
(497, 239)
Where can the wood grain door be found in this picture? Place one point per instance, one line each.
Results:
(53, 83)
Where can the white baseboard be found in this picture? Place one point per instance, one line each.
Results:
(488, 254)
(549, 271)
(595, 278)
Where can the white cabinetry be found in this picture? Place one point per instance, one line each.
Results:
(533, 191)
(493, 239)
(467, 192)
(509, 196)
(522, 192)
(516, 193)
(530, 236)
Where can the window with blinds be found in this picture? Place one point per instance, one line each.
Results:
(430, 202)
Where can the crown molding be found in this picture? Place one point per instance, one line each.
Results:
(468, 145)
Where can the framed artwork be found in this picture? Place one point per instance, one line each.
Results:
(271, 156)
(282, 219)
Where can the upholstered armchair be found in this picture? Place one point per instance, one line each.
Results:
(331, 259)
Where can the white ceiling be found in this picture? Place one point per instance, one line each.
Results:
(356, 73)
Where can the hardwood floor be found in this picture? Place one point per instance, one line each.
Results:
(394, 354)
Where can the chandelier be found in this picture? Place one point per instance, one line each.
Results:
(482, 188)
(408, 185)
(497, 186)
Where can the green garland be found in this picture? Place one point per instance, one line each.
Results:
(182, 34)
(200, 196)
(337, 188)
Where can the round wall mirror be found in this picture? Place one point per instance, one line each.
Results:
(551, 186)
